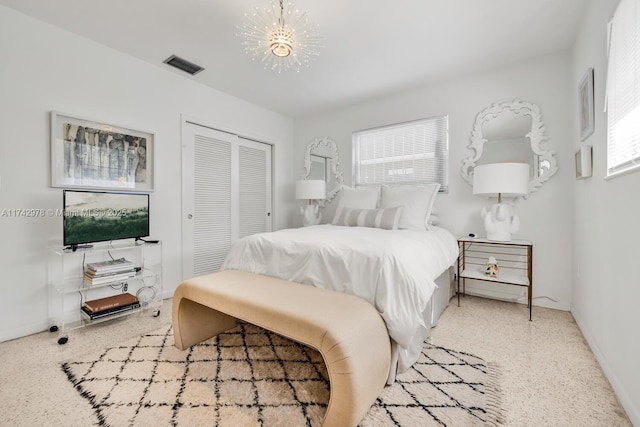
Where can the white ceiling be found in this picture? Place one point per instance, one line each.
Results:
(370, 48)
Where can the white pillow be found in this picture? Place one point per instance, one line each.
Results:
(387, 219)
(417, 201)
(358, 198)
(433, 218)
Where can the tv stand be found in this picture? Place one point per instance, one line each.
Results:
(68, 289)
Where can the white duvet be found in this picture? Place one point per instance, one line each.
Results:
(392, 269)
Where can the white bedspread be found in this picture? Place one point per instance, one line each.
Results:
(393, 270)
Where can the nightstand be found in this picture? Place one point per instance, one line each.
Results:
(515, 262)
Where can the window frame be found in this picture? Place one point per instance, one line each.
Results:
(441, 153)
(621, 167)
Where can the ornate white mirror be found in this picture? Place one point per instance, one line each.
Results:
(511, 132)
(321, 161)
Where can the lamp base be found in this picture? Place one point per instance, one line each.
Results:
(500, 222)
(310, 215)
(497, 237)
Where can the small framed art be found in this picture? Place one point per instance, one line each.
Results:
(90, 154)
(587, 115)
(583, 162)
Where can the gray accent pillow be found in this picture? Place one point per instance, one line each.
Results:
(387, 219)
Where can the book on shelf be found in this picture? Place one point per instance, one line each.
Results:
(93, 273)
(102, 304)
(114, 265)
(108, 278)
(89, 315)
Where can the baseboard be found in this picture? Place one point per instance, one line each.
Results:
(13, 334)
(167, 294)
(36, 328)
(508, 293)
(494, 290)
(631, 407)
(502, 296)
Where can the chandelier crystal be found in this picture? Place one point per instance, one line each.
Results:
(283, 40)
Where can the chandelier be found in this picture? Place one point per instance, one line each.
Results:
(282, 39)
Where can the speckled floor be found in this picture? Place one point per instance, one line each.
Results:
(550, 377)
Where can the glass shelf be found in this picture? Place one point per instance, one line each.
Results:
(514, 258)
(68, 289)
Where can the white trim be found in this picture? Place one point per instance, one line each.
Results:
(622, 172)
(631, 407)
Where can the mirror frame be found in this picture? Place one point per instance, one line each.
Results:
(536, 136)
(329, 143)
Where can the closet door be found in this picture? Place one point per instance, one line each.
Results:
(254, 196)
(226, 194)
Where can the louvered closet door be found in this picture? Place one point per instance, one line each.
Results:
(226, 195)
(254, 183)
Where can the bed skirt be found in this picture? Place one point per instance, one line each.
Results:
(402, 359)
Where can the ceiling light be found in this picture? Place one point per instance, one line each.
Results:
(282, 39)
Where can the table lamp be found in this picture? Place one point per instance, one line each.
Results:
(311, 189)
(503, 180)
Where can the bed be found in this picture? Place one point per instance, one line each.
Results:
(404, 273)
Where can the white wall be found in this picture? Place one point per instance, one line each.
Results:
(546, 216)
(606, 288)
(45, 68)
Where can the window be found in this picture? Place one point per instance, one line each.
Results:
(415, 152)
(623, 89)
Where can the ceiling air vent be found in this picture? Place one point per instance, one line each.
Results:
(183, 64)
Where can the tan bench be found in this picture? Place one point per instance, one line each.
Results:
(346, 330)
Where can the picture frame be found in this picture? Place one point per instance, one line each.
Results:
(586, 107)
(584, 164)
(90, 154)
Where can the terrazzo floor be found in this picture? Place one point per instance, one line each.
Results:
(549, 375)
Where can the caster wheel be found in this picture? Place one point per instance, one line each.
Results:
(63, 340)
(54, 328)
(156, 313)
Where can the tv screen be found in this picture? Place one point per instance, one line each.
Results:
(99, 216)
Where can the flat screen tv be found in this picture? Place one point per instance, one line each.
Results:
(100, 216)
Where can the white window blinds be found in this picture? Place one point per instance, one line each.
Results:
(415, 152)
(623, 89)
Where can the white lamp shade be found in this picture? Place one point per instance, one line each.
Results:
(311, 189)
(508, 179)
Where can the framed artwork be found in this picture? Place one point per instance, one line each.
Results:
(86, 153)
(585, 92)
(583, 162)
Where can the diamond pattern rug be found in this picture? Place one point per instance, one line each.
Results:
(252, 377)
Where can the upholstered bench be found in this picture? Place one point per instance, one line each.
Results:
(346, 330)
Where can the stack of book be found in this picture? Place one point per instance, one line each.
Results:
(117, 270)
(103, 307)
